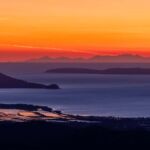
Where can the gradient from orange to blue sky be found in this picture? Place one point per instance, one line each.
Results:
(74, 28)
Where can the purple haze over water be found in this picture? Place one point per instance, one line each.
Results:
(100, 95)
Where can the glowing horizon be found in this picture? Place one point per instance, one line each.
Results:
(80, 28)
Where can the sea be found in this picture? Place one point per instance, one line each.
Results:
(81, 94)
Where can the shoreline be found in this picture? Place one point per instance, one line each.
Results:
(31, 130)
(35, 113)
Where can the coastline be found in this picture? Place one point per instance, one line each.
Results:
(66, 131)
(30, 113)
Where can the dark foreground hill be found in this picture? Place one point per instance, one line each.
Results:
(69, 136)
(130, 71)
(38, 135)
(9, 82)
(70, 133)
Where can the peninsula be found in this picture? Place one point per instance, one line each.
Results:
(10, 82)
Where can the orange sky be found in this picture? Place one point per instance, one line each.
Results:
(31, 28)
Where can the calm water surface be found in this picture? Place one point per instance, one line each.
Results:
(100, 95)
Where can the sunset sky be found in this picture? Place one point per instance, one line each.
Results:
(74, 28)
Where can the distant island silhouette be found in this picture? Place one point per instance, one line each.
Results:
(10, 82)
(120, 71)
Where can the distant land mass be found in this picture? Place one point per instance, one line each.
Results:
(126, 58)
(130, 71)
(9, 82)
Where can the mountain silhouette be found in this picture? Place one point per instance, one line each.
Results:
(98, 58)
